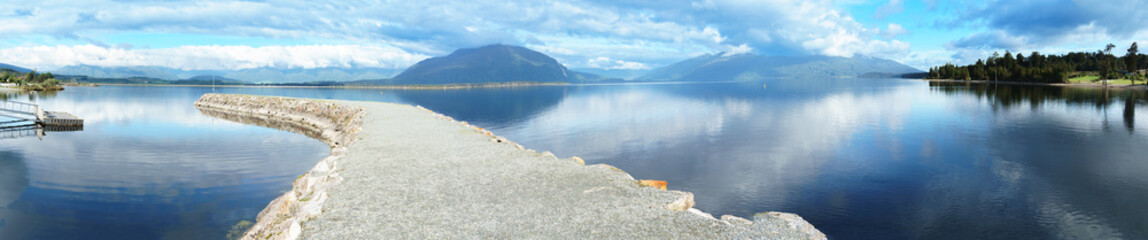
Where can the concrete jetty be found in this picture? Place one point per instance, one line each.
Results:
(402, 172)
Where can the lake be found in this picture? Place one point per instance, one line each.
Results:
(858, 158)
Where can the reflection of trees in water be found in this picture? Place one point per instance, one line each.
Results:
(27, 96)
(1003, 97)
(1130, 114)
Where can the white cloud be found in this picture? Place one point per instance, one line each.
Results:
(607, 63)
(795, 27)
(893, 30)
(212, 57)
(672, 30)
(739, 49)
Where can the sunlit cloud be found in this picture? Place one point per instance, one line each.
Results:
(214, 57)
(640, 34)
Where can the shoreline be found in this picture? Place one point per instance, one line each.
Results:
(1076, 85)
(335, 125)
(413, 173)
(398, 87)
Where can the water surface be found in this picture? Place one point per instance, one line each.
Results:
(147, 165)
(859, 158)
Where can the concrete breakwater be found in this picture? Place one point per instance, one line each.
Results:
(334, 124)
(413, 173)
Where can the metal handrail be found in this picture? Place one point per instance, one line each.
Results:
(21, 107)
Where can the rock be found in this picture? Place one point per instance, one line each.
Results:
(794, 222)
(700, 213)
(684, 202)
(578, 160)
(736, 220)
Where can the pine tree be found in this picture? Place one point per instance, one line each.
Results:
(1130, 61)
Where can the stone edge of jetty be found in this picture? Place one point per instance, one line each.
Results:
(334, 124)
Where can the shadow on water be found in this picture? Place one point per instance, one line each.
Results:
(489, 106)
(13, 182)
(262, 122)
(25, 129)
(1005, 97)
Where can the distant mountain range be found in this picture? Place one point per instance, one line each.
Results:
(745, 67)
(14, 68)
(626, 74)
(254, 75)
(493, 64)
(507, 64)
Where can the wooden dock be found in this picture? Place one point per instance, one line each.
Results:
(33, 112)
(51, 118)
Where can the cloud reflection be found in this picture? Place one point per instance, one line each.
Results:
(724, 149)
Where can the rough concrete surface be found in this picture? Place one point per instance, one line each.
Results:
(411, 173)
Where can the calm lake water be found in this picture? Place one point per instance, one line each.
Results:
(859, 158)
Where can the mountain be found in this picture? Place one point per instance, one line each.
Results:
(214, 78)
(625, 74)
(153, 72)
(14, 68)
(274, 75)
(721, 67)
(493, 64)
(254, 75)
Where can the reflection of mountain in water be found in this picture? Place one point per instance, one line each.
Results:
(488, 106)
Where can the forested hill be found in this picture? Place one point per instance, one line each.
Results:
(1039, 68)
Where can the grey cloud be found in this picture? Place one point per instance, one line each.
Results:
(1034, 24)
(990, 40)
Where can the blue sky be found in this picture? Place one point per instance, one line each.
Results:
(49, 34)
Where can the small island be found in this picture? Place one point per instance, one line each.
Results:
(30, 81)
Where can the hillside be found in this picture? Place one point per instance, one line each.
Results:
(740, 67)
(274, 75)
(493, 64)
(14, 68)
(254, 75)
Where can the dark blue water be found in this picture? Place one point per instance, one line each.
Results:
(859, 158)
(147, 165)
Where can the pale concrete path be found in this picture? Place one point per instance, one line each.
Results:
(413, 174)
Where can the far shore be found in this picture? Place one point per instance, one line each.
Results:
(401, 87)
(1078, 85)
(532, 84)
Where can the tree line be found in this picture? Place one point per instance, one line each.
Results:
(1040, 68)
(31, 80)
